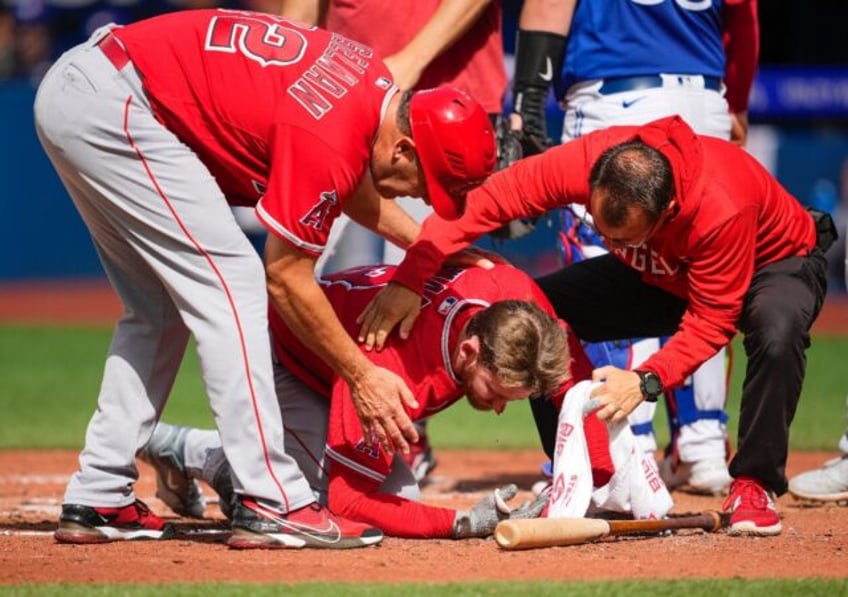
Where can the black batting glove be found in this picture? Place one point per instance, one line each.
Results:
(538, 60)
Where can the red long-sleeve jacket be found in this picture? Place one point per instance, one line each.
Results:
(733, 218)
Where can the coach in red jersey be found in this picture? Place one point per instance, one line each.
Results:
(156, 130)
(704, 242)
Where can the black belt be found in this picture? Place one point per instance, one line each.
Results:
(621, 84)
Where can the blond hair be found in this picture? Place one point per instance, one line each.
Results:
(522, 346)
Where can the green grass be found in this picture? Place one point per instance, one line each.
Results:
(819, 420)
(49, 379)
(705, 588)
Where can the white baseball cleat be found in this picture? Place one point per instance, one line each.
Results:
(705, 477)
(165, 452)
(826, 484)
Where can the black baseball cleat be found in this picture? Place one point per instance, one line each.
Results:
(87, 524)
(257, 526)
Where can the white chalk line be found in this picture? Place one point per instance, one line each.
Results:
(183, 533)
(35, 479)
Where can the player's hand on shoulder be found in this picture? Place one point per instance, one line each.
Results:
(380, 398)
(392, 305)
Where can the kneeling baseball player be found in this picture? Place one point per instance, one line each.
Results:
(489, 335)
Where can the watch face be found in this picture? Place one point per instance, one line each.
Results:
(653, 386)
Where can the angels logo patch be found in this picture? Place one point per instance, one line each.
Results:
(325, 210)
(372, 451)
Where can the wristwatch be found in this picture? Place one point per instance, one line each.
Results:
(650, 385)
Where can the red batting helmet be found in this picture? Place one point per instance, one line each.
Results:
(455, 143)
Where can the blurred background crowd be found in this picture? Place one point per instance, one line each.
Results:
(33, 33)
(798, 113)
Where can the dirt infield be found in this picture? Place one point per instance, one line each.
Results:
(814, 541)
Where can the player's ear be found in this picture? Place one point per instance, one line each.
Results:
(469, 350)
(404, 149)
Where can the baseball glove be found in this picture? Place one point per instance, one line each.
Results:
(484, 516)
(510, 150)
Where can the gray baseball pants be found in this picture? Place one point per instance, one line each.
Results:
(181, 266)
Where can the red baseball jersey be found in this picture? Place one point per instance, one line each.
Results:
(283, 116)
(473, 63)
(424, 362)
(732, 219)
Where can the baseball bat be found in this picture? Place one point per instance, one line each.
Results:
(552, 532)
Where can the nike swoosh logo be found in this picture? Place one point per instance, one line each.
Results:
(331, 534)
(628, 103)
(548, 74)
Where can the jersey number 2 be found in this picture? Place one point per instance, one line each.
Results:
(268, 43)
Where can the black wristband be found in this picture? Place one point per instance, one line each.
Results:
(538, 58)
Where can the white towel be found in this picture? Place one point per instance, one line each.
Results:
(635, 486)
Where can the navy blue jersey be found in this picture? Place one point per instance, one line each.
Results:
(625, 38)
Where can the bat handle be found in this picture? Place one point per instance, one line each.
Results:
(710, 521)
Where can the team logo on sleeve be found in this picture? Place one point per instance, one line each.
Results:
(327, 209)
(446, 305)
(372, 451)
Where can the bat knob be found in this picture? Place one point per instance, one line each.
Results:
(506, 534)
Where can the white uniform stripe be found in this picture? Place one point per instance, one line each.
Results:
(363, 470)
(284, 232)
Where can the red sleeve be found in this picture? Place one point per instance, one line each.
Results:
(357, 471)
(742, 49)
(529, 187)
(358, 498)
(718, 280)
(300, 204)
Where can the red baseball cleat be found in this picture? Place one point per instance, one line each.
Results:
(752, 509)
(258, 526)
(87, 524)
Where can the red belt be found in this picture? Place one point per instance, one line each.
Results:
(114, 51)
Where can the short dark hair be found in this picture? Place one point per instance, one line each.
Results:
(403, 113)
(633, 174)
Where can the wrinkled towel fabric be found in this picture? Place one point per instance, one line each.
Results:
(635, 487)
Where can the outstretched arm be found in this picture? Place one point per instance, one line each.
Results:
(742, 48)
(311, 12)
(452, 19)
(378, 394)
(539, 53)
